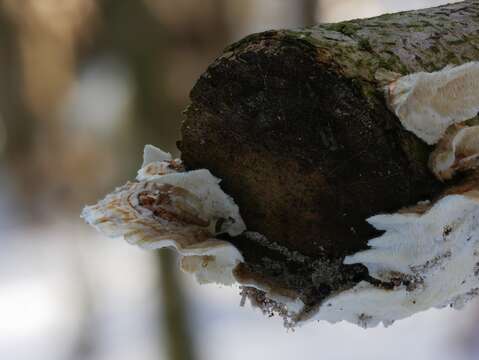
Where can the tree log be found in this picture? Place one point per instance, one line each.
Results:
(296, 125)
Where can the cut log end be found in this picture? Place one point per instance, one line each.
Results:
(307, 156)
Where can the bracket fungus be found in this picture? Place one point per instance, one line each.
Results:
(457, 151)
(170, 207)
(423, 260)
(428, 103)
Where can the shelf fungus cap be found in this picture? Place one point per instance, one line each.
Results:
(171, 207)
(428, 103)
(457, 151)
(422, 261)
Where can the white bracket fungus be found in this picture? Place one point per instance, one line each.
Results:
(428, 103)
(170, 207)
(423, 261)
(457, 151)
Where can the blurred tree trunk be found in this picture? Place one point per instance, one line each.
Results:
(37, 70)
(309, 12)
(177, 324)
(19, 123)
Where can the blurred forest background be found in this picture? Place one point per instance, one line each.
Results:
(84, 84)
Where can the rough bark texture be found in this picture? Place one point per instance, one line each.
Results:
(296, 125)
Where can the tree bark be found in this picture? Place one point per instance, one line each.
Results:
(296, 125)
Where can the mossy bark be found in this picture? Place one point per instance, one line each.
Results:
(295, 124)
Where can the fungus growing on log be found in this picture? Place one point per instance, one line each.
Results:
(428, 103)
(457, 151)
(168, 207)
(423, 261)
(297, 126)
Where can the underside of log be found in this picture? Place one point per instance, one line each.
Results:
(295, 123)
